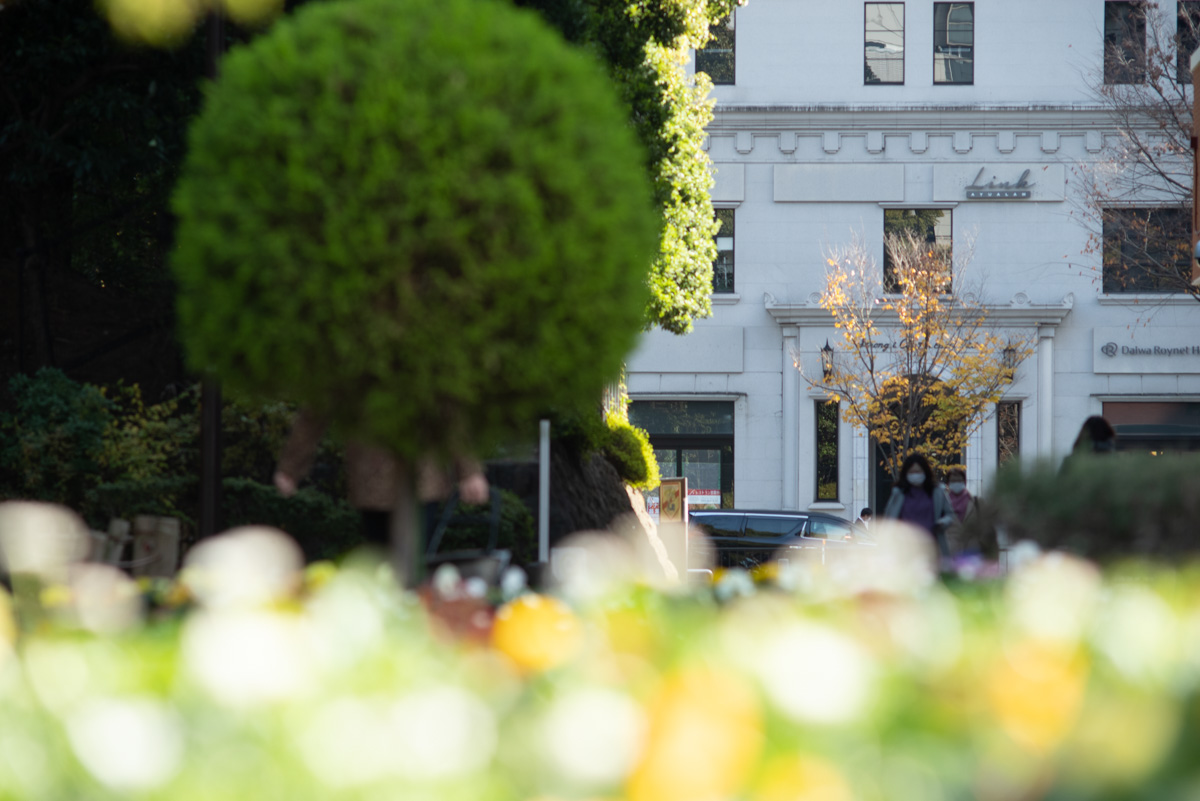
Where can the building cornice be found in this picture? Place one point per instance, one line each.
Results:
(822, 117)
(1017, 313)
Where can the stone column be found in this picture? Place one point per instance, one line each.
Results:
(791, 421)
(1045, 392)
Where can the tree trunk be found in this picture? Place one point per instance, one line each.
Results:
(407, 556)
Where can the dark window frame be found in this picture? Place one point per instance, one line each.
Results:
(891, 285)
(831, 469)
(1187, 38)
(1124, 41)
(709, 59)
(1120, 271)
(723, 267)
(867, 71)
(940, 34)
(1008, 431)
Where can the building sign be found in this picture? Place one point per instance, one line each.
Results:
(1163, 349)
(1001, 182)
(704, 497)
(984, 189)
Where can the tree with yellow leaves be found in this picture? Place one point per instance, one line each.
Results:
(918, 366)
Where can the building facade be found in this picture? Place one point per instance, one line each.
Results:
(985, 116)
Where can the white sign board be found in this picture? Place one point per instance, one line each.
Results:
(1164, 349)
(1003, 182)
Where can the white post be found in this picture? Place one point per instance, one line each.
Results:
(544, 491)
(1045, 392)
(791, 423)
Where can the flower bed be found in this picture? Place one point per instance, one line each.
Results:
(255, 678)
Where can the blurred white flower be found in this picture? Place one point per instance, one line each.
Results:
(442, 731)
(1053, 597)
(347, 620)
(816, 674)
(41, 538)
(594, 736)
(105, 599)
(128, 744)
(348, 743)
(734, 583)
(591, 564)
(249, 657)
(1140, 634)
(247, 566)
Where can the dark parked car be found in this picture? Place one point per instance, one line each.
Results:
(745, 538)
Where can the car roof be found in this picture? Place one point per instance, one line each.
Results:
(773, 512)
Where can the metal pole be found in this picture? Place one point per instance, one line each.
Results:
(544, 491)
(210, 390)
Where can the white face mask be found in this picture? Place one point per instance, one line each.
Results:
(916, 479)
(956, 487)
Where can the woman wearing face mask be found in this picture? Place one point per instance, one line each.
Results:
(918, 499)
(961, 500)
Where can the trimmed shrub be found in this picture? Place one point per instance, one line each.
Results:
(325, 528)
(52, 443)
(628, 449)
(427, 221)
(1105, 506)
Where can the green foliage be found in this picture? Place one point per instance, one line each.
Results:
(646, 44)
(90, 144)
(1105, 506)
(52, 443)
(105, 453)
(324, 527)
(426, 221)
(516, 532)
(628, 449)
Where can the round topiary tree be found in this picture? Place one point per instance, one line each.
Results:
(428, 222)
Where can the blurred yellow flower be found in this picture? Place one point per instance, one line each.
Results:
(1036, 692)
(802, 778)
(536, 632)
(705, 736)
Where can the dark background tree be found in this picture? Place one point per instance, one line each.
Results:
(91, 133)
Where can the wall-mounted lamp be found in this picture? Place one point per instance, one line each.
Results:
(826, 360)
(1009, 360)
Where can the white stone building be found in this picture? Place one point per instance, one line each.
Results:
(841, 110)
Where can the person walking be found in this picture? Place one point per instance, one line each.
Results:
(372, 476)
(918, 499)
(865, 517)
(966, 510)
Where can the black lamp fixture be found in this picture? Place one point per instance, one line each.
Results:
(1010, 358)
(826, 360)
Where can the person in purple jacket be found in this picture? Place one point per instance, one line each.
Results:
(919, 499)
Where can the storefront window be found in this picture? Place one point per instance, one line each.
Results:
(1155, 427)
(693, 439)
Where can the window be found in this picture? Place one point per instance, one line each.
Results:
(693, 439)
(1008, 431)
(828, 529)
(1147, 250)
(883, 58)
(933, 227)
(723, 266)
(718, 57)
(1187, 38)
(766, 526)
(1124, 41)
(953, 42)
(827, 450)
